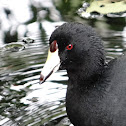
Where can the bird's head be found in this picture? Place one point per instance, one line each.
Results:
(73, 46)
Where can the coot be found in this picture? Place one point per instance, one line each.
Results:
(96, 92)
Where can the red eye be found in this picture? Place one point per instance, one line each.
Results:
(53, 46)
(69, 47)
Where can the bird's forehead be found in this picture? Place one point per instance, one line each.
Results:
(61, 38)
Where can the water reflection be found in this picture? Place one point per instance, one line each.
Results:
(22, 100)
(13, 21)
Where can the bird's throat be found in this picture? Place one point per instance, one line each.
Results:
(84, 77)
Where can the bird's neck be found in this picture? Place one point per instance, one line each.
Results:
(85, 77)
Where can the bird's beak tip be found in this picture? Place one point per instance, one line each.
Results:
(41, 80)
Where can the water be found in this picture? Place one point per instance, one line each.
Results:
(23, 101)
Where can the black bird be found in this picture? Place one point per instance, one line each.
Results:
(96, 92)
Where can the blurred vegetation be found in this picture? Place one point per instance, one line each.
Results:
(107, 6)
(68, 8)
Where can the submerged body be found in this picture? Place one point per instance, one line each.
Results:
(96, 92)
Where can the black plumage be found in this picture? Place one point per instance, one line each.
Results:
(96, 93)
